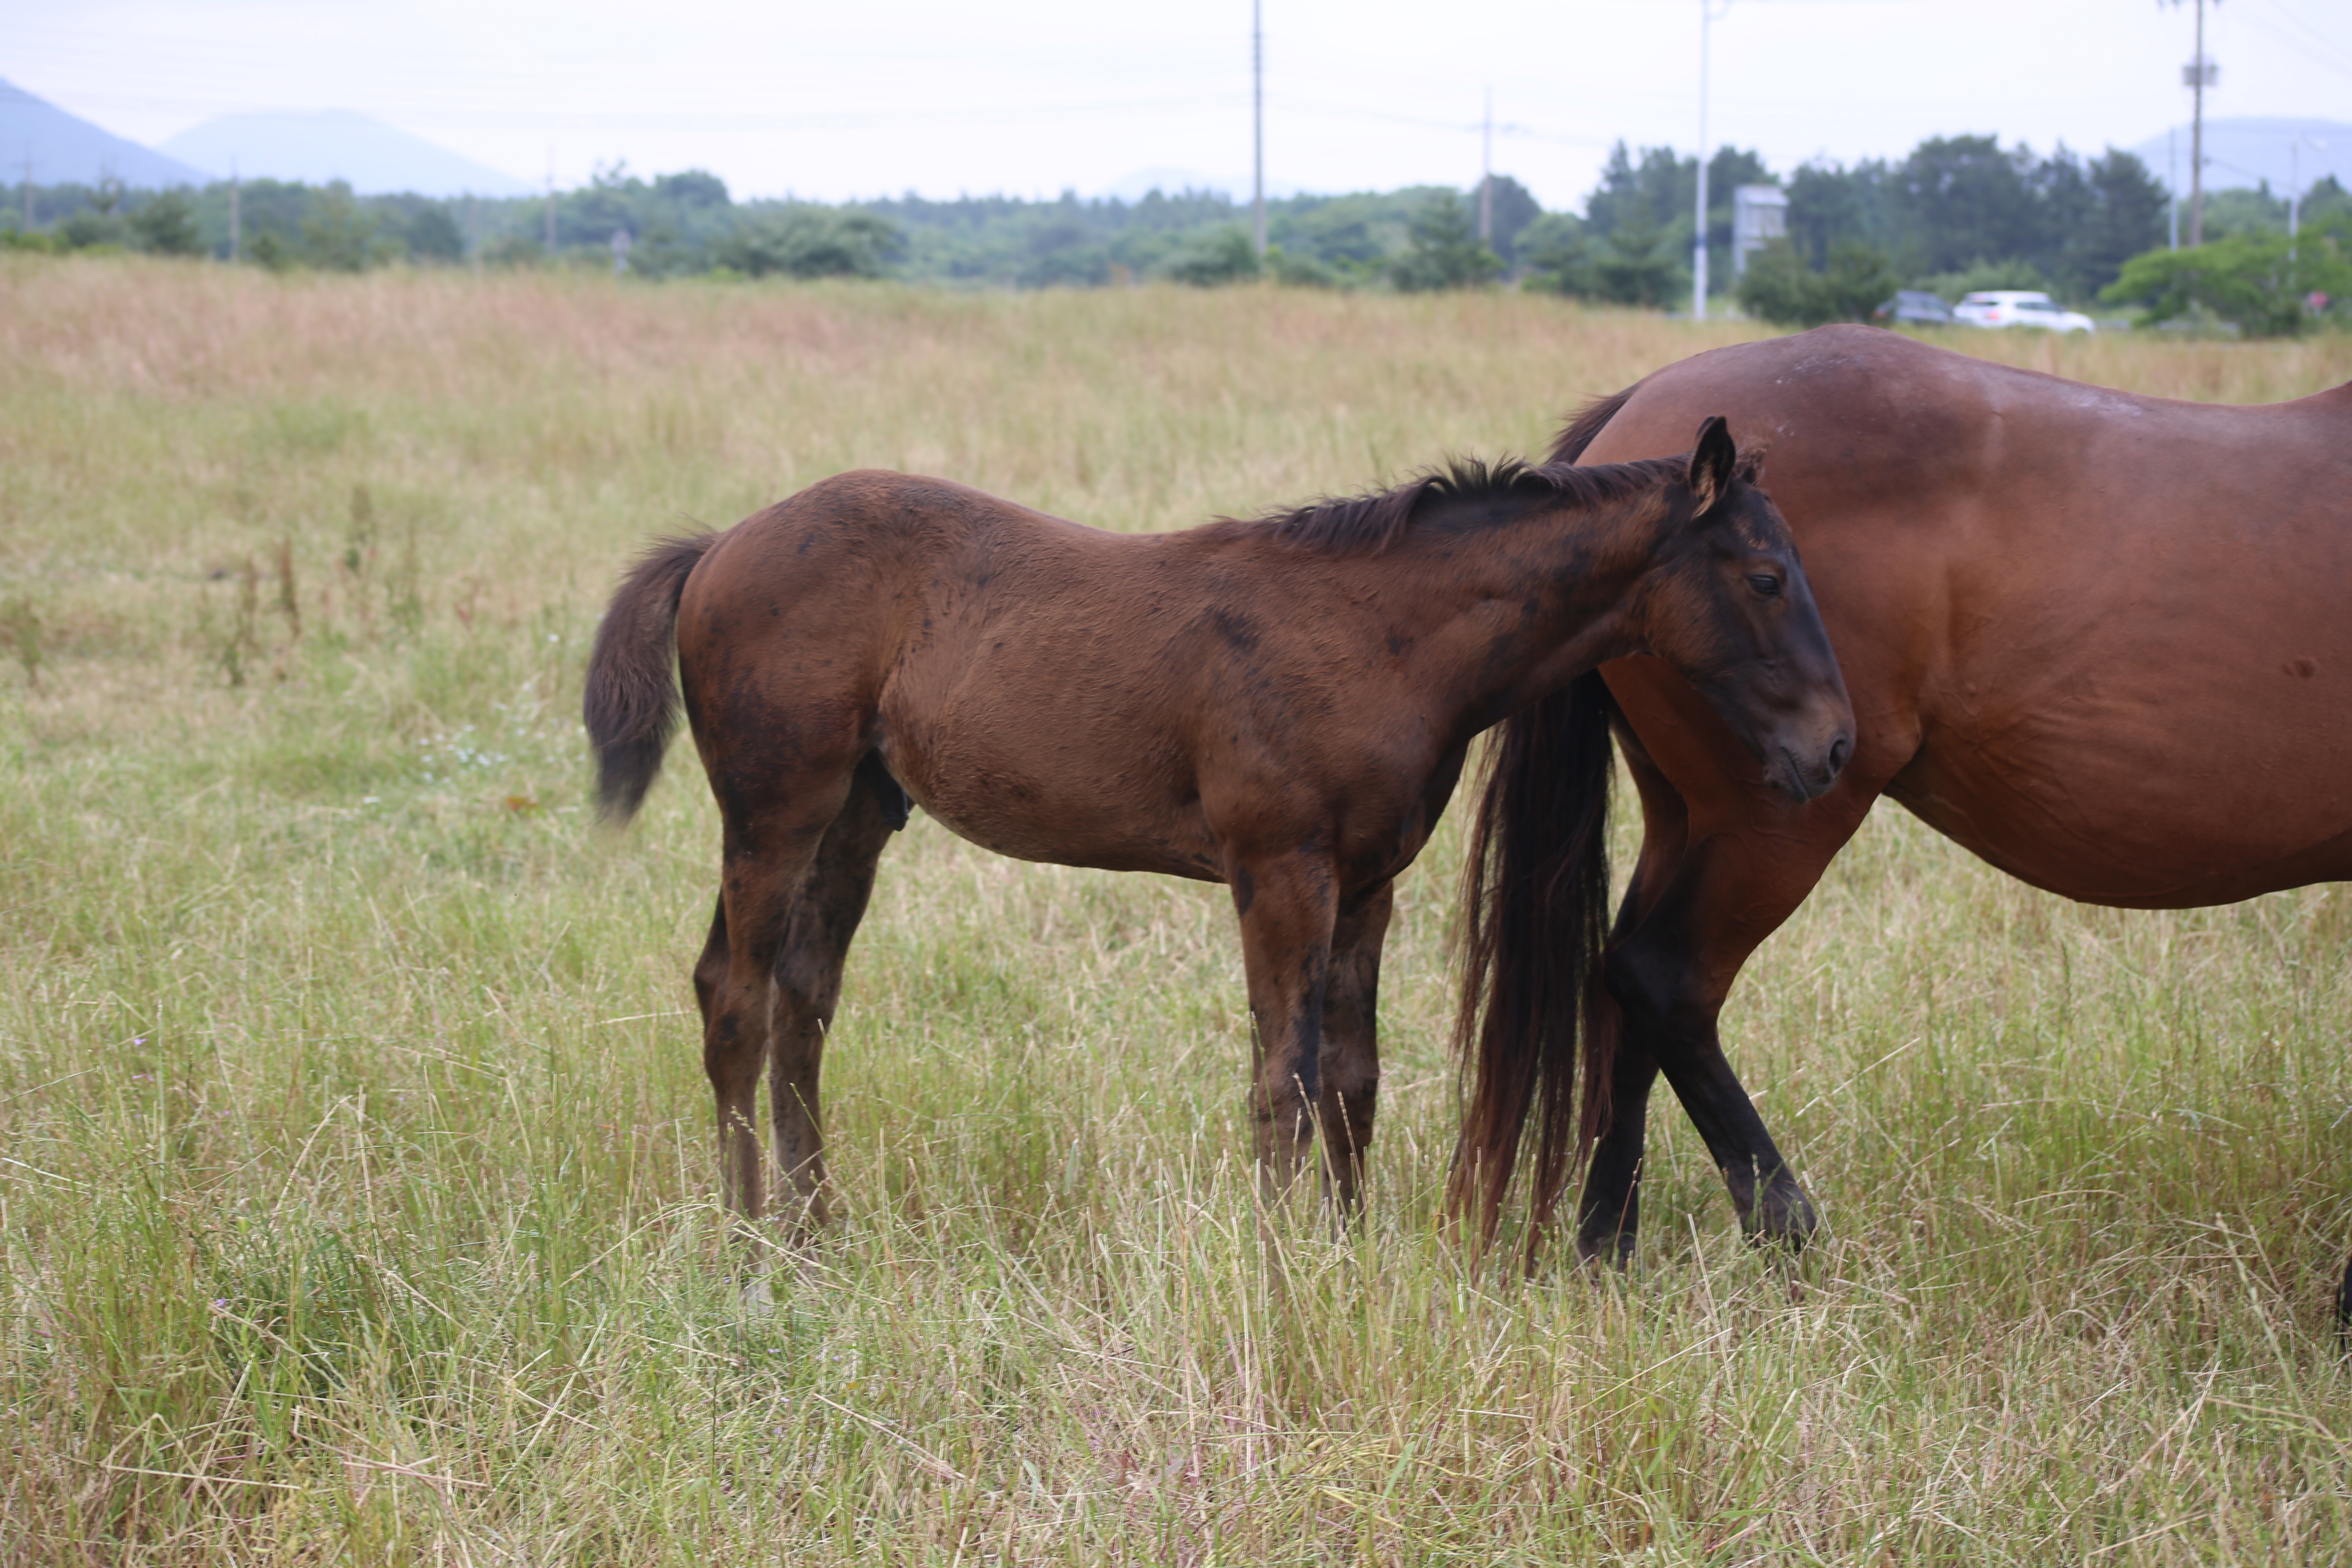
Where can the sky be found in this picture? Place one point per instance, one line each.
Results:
(1030, 98)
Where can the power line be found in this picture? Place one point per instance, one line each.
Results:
(2310, 42)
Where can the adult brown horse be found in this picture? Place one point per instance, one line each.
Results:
(1280, 705)
(2097, 639)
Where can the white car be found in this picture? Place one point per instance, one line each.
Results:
(2019, 307)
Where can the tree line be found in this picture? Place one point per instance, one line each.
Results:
(1956, 214)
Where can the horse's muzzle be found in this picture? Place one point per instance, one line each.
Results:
(1807, 774)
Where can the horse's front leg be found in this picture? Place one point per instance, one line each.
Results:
(1351, 1056)
(1286, 904)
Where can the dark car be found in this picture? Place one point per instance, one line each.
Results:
(1914, 308)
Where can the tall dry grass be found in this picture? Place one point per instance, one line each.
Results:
(355, 1165)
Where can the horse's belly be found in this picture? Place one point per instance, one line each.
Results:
(1018, 829)
(1057, 801)
(2169, 730)
(2132, 817)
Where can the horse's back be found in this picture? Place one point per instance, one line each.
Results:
(1011, 668)
(2093, 636)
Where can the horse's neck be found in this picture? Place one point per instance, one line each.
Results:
(1533, 602)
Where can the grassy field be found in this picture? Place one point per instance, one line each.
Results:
(355, 1173)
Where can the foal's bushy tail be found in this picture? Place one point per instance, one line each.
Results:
(1536, 909)
(631, 706)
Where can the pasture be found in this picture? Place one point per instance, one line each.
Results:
(356, 1185)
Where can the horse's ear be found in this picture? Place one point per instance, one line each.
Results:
(1714, 461)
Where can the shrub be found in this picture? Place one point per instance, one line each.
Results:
(1221, 255)
(1779, 287)
(339, 234)
(166, 225)
(270, 251)
(1634, 264)
(804, 242)
(90, 229)
(1301, 270)
(433, 234)
(2266, 283)
(1557, 255)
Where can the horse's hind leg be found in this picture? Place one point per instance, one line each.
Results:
(766, 858)
(1351, 1048)
(808, 984)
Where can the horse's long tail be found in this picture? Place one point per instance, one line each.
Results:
(1572, 442)
(1535, 903)
(631, 705)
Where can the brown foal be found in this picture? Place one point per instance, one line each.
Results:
(1282, 705)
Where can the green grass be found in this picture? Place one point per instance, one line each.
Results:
(355, 1164)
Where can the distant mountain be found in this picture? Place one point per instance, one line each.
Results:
(67, 149)
(2241, 151)
(337, 144)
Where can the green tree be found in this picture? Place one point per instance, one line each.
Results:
(165, 225)
(1221, 255)
(339, 234)
(1779, 287)
(270, 251)
(1828, 203)
(1648, 191)
(1515, 207)
(92, 229)
(811, 242)
(2325, 200)
(2243, 210)
(432, 235)
(1556, 255)
(1640, 263)
(1443, 250)
(1652, 198)
(2266, 283)
(1962, 199)
(1063, 249)
(1300, 271)
(2116, 211)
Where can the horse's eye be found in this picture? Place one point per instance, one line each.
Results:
(1765, 583)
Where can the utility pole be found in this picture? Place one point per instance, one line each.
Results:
(2198, 74)
(2295, 179)
(235, 217)
(1487, 178)
(2295, 189)
(1257, 127)
(2172, 186)
(1706, 15)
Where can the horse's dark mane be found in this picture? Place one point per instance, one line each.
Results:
(1367, 524)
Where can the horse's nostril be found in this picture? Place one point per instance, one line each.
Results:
(1840, 750)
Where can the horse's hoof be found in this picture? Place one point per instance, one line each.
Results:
(1611, 1249)
(1784, 1217)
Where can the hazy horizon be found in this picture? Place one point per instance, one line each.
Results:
(1047, 97)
